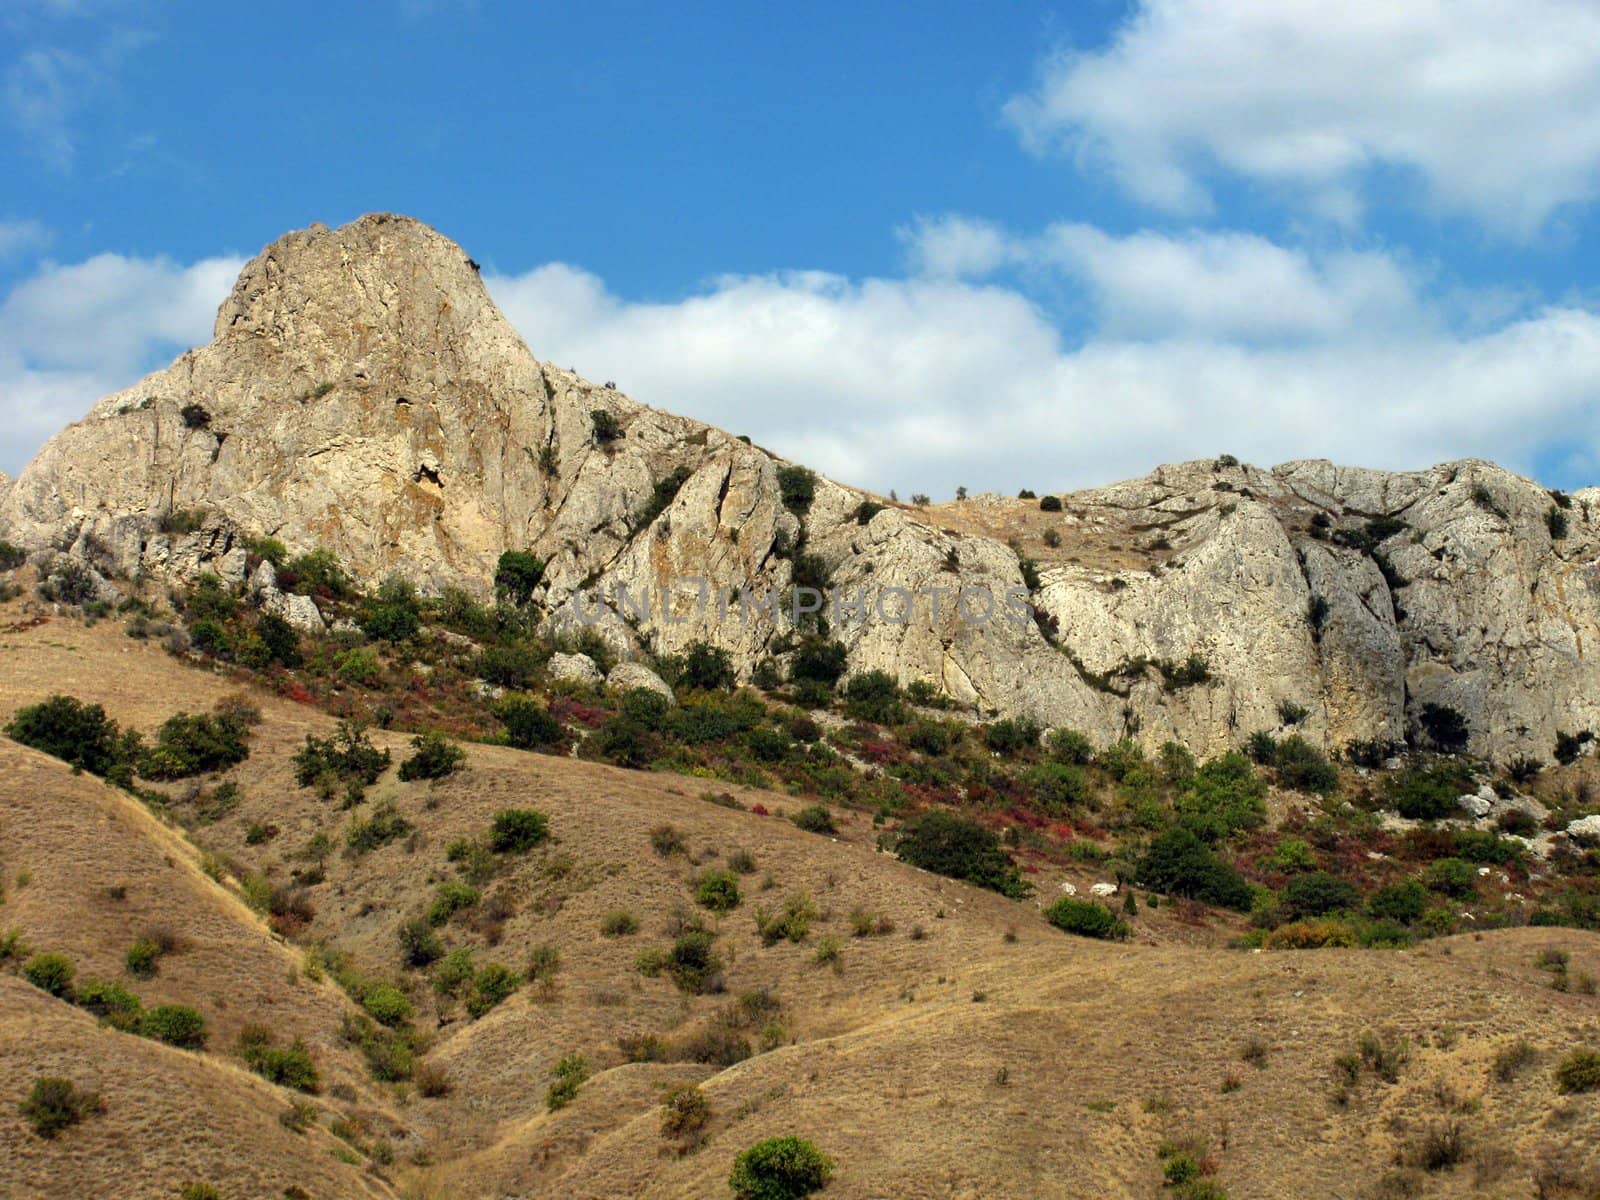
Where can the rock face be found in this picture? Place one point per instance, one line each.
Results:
(363, 395)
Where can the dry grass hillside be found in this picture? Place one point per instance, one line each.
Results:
(961, 1048)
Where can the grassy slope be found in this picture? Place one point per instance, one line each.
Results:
(893, 1067)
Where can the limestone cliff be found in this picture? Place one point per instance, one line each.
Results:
(363, 394)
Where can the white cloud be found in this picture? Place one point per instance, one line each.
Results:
(21, 237)
(1492, 107)
(71, 334)
(925, 383)
(1226, 284)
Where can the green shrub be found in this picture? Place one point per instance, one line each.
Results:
(815, 818)
(382, 827)
(451, 897)
(718, 891)
(1579, 1072)
(930, 737)
(1303, 767)
(280, 639)
(191, 745)
(518, 830)
(419, 944)
(347, 756)
(817, 660)
(1179, 863)
(390, 622)
(516, 576)
(569, 1075)
(435, 757)
(627, 743)
(1224, 797)
(1317, 894)
(1069, 746)
(685, 1113)
(1057, 786)
(51, 973)
(706, 667)
(492, 985)
(176, 1025)
(1428, 794)
(289, 1066)
(619, 923)
(1050, 504)
(388, 1005)
(1292, 854)
(781, 1168)
(692, 963)
(528, 725)
(70, 730)
(507, 666)
(605, 425)
(797, 486)
(142, 958)
(1444, 727)
(874, 696)
(1012, 735)
(454, 973)
(113, 1004)
(1452, 876)
(11, 557)
(1085, 918)
(645, 707)
(316, 573)
(960, 849)
(1404, 902)
(53, 1104)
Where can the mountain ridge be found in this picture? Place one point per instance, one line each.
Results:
(364, 395)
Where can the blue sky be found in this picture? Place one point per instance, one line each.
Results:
(916, 246)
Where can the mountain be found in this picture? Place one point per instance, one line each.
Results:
(362, 394)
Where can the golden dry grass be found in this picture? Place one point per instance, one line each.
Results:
(957, 1063)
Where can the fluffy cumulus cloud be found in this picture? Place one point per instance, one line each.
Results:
(1490, 109)
(1198, 344)
(69, 334)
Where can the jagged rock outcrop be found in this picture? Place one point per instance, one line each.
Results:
(362, 394)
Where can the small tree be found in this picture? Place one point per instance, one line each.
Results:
(517, 575)
(68, 729)
(607, 428)
(960, 849)
(797, 486)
